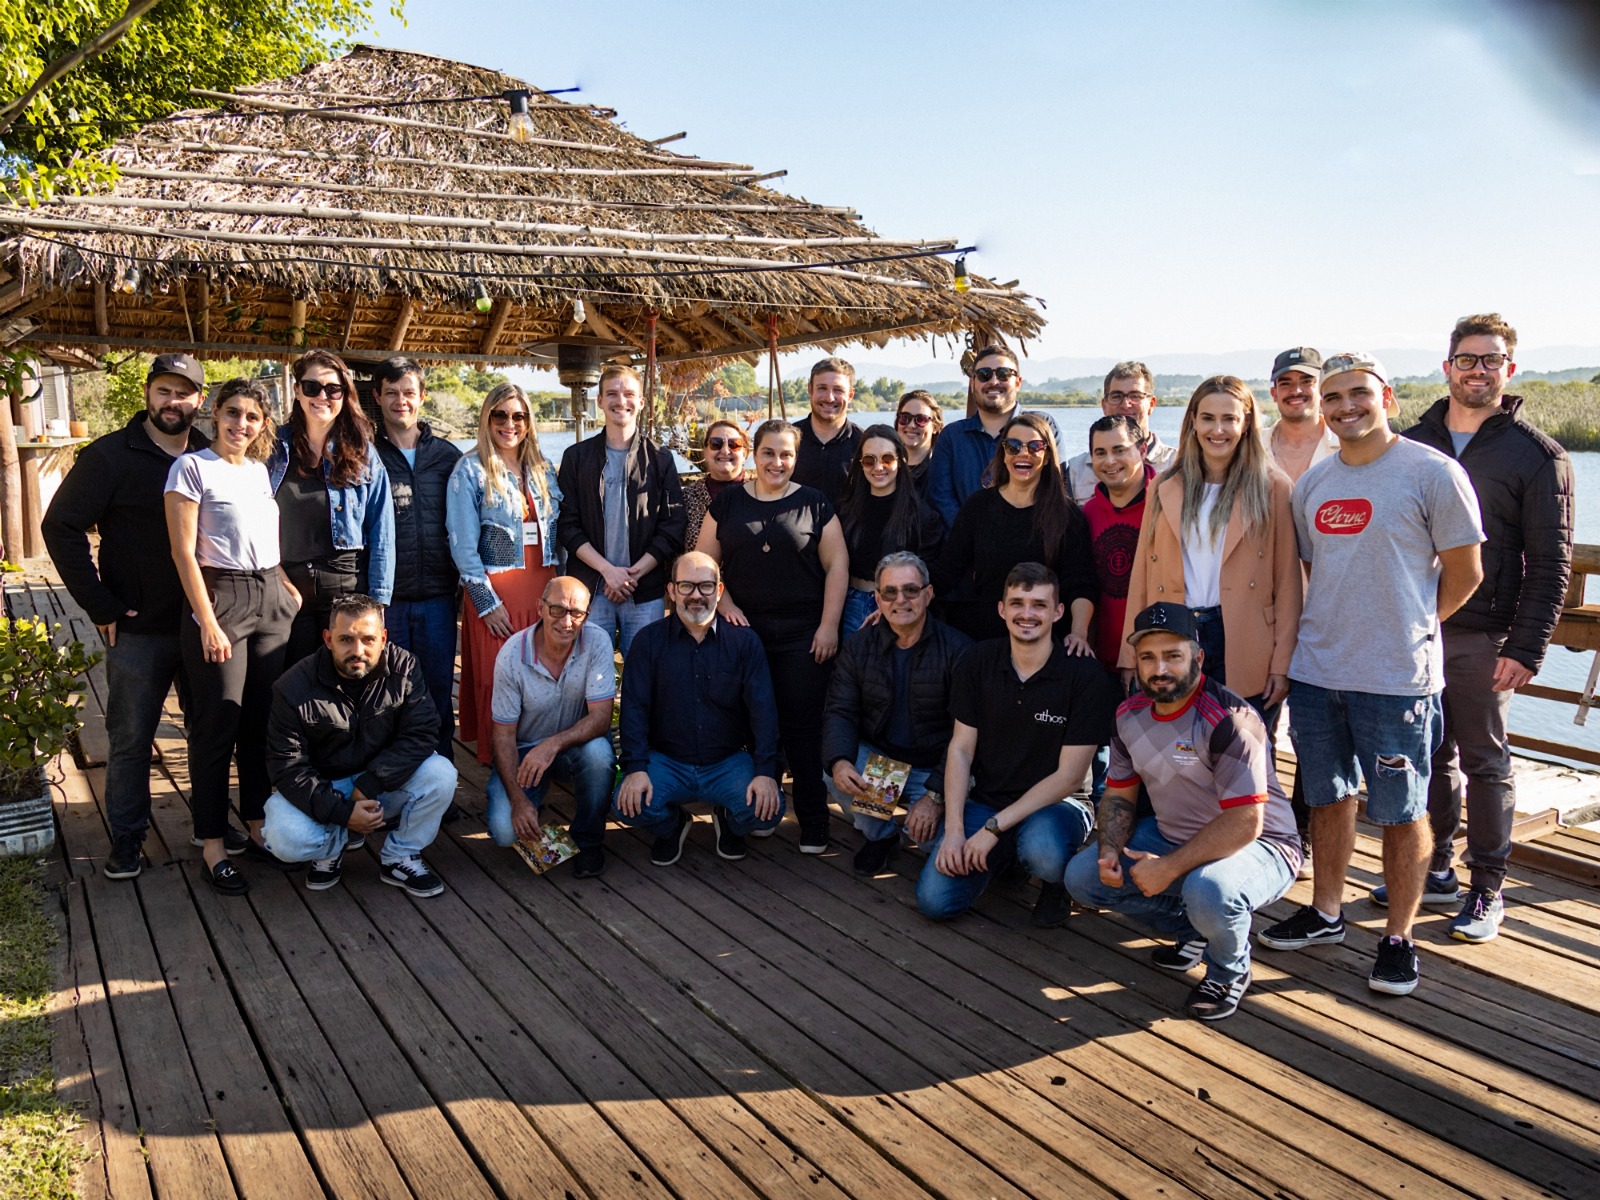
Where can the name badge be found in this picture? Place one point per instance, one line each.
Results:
(530, 533)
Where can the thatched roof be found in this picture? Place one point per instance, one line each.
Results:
(300, 213)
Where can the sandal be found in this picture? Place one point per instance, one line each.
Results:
(228, 879)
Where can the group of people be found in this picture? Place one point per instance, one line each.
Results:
(1034, 648)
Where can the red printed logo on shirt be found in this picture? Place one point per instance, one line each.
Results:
(1344, 516)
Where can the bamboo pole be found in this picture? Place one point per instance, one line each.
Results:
(497, 325)
(402, 323)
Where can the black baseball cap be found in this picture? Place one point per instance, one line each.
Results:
(1301, 358)
(1164, 617)
(181, 365)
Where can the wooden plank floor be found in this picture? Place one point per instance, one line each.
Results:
(780, 1027)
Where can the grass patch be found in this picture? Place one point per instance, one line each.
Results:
(38, 1154)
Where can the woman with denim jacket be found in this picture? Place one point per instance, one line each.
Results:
(335, 516)
(500, 511)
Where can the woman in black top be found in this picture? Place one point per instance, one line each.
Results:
(881, 512)
(918, 418)
(1024, 516)
(786, 569)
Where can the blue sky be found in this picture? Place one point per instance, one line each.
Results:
(1169, 177)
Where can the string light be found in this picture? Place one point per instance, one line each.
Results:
(579, 313)
(963, 283)
(480, 297)
(129, 283)
(520, 126)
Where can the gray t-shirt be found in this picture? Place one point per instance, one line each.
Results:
(1460, 440)
(238, 519)
(539, 703)
(615, 479)
(1372, 535)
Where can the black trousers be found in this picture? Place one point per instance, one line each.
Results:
(801, 687)
(230, 701)
(318, 583)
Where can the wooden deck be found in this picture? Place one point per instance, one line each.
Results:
(780, 1027)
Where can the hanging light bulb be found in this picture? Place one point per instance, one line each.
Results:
(520, 126)
(579, 313)
(129, 283)
(963, 284)
(480, 297)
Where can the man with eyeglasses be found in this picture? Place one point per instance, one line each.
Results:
(890, 695)
(1129, 391)
(699, 723)
(828, 438)
(1494, 643)
(1300, 437)
(554, 686)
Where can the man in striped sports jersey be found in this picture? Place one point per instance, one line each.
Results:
(1222, 841)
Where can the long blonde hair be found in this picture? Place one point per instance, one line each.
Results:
(497, 481)
(1247, 483)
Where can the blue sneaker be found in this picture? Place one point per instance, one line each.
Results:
(1438, 891)
(1479, 918)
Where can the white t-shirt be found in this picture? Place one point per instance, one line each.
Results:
(1202, 554)
(238, 519)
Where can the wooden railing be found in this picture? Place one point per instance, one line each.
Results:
(1579, 629)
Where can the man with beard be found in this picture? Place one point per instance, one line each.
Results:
(1129, 391)
(1027, 719)
(1221, 842)
(1300, 437)
(699, 723)
(828, 438)
(350, 748)
(1494, 643)
(132, 594)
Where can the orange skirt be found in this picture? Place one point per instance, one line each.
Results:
(519, 591)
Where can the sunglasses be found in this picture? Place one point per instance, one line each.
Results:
(1017, 446)
(560, 612)
(985, 374)
(920, 420)
(910, 591)
(501, 417)
(871, 462)
(688, 587)
(716, 443)
(312, 388)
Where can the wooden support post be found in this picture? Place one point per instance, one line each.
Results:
(102, 317)
(297, 325)
(10, 482)
(205, 309)
(350, 321)
(497, 325)
(402, 324)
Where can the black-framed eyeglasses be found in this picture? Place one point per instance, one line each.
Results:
(312, 388)
(985, 374)
(920, 420)
(501, 417)
(1017, 445)
(716, 443)
(688, 587)
(1125, 397)
(560, 612)
(910, 591)
(1492, 362)
(871, 462)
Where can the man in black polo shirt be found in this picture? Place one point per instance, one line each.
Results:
(699, 723)
(828, 439)
(1028, 717)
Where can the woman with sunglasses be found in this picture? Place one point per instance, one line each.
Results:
(240, 606)
(335, 517)
(786, 569)
(723, 459)
(880, 512)
(918, 420)
(500, 512)
(1024, 515)
(1218, 537)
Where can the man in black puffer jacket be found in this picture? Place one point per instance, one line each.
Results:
(890, 695)
(1494, 642)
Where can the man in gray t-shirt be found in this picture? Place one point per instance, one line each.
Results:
(1390, 531)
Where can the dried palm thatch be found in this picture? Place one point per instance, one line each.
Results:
(312, 211)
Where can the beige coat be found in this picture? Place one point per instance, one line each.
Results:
(1261, 585)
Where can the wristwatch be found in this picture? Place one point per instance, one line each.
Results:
(993, 826)
(934, 798)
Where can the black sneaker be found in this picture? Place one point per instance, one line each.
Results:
(1397, 969)
(730, 845)
(589, 862)
(413, 875)
(665, 851)
(1438, 891)
(814, 841)
(1307, 927)
(1212, 1000)
(126, 859)
(355, 841)
(873, 857)
(1050, 909)
(234, 841)
(1180, 956)
(324, 873)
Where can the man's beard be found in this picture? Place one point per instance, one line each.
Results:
(697, 616)
(1489, 398)
(171, 423)
(1165, 693)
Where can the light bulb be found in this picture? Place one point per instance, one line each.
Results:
(520, 126)
(963, 284)
(129, 282)
(480, 297)
(579, 313)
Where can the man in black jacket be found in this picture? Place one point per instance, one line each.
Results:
(350, 751)
(622, 518)
(1494, 643)
(132, 594)
(422, 616)
(890, 695)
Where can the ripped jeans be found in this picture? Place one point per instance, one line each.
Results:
(1341, 738)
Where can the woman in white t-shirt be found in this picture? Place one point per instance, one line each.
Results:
(223, 526)
(1218, 537)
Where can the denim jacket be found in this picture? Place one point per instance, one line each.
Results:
(486, 537)
(361, 515)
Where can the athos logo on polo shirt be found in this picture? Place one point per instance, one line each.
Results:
(1046, 717)
(1344, 516)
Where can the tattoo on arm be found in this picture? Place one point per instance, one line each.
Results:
(1116, 821)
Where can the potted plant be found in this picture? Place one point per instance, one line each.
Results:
(40, 699)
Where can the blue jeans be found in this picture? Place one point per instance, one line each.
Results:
(415, 808)
(588, 768)
(140, 669)
(622, 621)
(722, 785)
(427, 628)
(1098, 770)
(1045, 841)
(1213, 902)
(876, 829)
(1341, 738)
(858, 606)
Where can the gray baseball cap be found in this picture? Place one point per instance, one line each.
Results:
(1301, 358)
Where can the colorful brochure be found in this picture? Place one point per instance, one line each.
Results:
(886, 782)
(554, 847)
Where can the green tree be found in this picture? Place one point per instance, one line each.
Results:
(739, 378)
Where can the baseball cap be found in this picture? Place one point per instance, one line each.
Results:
(1164, 617)
(181, 365)
(1354, 360)
(1301, 358)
